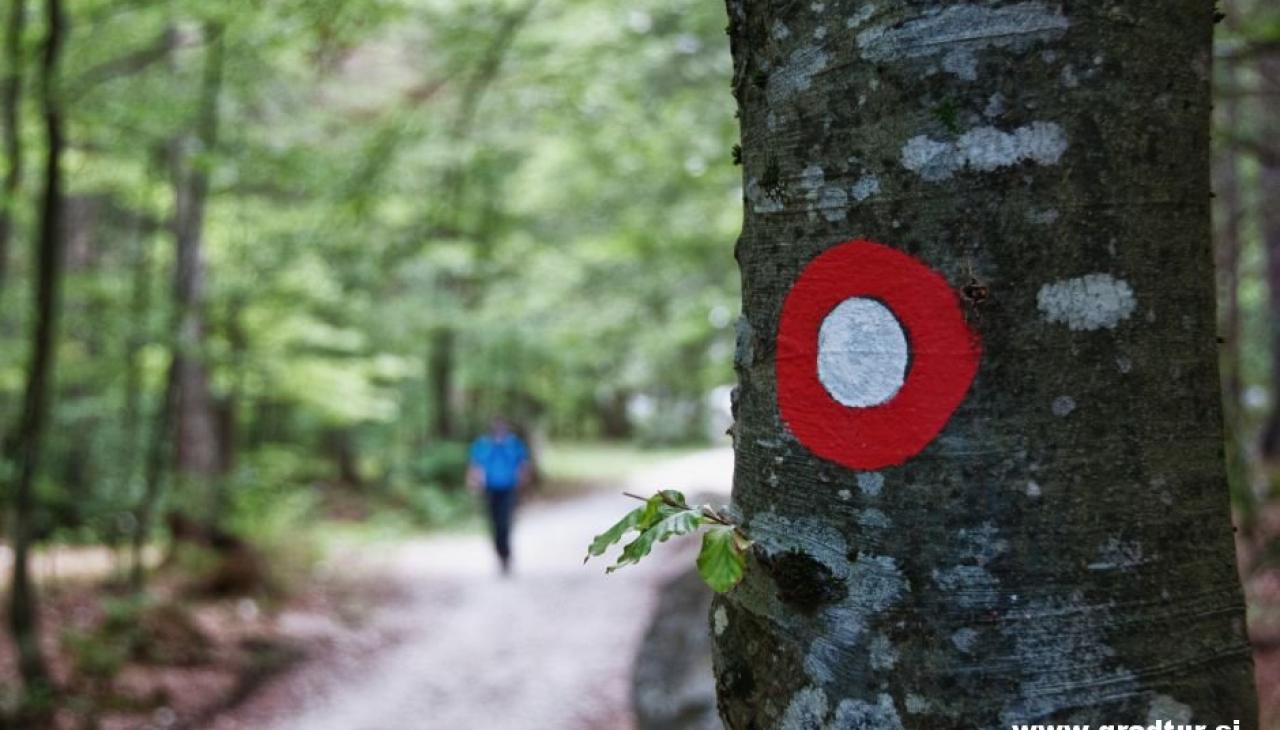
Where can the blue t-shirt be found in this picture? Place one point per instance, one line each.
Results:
(500, 460)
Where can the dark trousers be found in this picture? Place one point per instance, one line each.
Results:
(502, 508)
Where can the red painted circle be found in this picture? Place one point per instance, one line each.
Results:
(943, 351)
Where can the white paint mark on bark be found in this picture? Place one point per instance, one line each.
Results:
(1089, 302)
(861, 715)
(807, 710)
(845, 494)
(965, 639)
(984, 149)
(720, 620)
(796, 75)
(959, 32)
(1166, 709)
(862, 353)
(866, 186)
(871, 483)
(1063, 405)
(1033, 489)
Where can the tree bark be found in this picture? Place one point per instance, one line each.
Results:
(10, 103)
(197, 452)
(1269, 193)
(1033, 561)
(1229, 241)
(33, 425)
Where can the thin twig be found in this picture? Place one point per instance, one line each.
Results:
(706, 510)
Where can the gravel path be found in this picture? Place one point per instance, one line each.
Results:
(548, 649)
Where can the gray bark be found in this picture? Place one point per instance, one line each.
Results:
(195, 421)
(1062, 551)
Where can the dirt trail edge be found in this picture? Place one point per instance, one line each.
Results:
(547, 649)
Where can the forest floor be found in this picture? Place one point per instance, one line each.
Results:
(456, 646)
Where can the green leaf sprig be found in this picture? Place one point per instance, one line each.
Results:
(667, 514)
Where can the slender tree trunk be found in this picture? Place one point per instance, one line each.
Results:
(153, 482)
(197, 452)
(29, 438)
(1061, 551)
(139, 311)
(1231, 212)
(1269, 195)
(10, 103)
(440, 368)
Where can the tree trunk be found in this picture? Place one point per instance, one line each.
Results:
(29, 437)
(440, 369)
(10, 102)
(1269, 194)
(1231, 212)
(197, 452)
(1040, 177)
(153, 482)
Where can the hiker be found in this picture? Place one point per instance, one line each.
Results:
(499, 467)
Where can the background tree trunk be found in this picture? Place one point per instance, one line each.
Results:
(10, 103)
(195, 424)
(1230, 242)
(30, 435)
(1269, 196)
(440, 369)
(1033, 562)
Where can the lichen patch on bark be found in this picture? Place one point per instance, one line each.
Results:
(984, 149)
(1089, 302)
(959, 32)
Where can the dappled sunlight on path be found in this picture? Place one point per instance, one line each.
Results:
(548, 648)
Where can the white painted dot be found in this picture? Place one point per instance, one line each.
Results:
(862, 353)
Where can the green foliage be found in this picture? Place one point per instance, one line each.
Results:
(369, 190)
(722, 558)
(666, 515)
(442, 463)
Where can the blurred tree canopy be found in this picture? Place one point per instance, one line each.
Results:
(417, 214)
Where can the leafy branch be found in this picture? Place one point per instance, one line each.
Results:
(666, 515)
